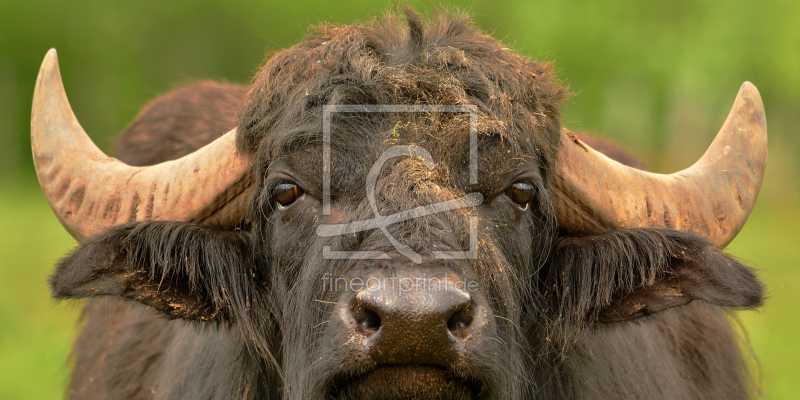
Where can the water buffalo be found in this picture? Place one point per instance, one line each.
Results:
(395, 212)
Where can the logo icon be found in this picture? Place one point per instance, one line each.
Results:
(382, 221)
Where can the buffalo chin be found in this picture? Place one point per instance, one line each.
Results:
(422, 382)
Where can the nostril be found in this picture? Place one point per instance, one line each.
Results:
(459, 321)
(368, 320)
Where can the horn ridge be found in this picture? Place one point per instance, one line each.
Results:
(89, 191)
(713, 197)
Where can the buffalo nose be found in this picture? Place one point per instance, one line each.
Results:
(415, 323)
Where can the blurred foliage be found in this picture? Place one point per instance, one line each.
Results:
(657, 76)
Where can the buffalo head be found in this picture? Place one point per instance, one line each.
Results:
(400, 214)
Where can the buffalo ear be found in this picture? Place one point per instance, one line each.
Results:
(181, 270)
(632, 273)
(716, 279)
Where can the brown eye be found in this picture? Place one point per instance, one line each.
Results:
(521, 193)
(285, 194)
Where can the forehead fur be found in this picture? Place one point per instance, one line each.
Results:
(392, 60)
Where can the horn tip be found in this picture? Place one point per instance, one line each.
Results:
(48, 69)
(50, 60)
(749, 108)
(748, 88)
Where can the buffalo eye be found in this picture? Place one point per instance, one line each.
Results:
(521, 193)
(284, 194)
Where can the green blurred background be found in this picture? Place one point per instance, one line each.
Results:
(657, 76)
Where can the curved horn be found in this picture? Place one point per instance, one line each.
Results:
(89, 191)
(712, 198)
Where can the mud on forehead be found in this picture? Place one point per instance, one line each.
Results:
(357, 140)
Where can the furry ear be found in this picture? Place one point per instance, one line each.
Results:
(182, 270)
(631, 273)
(716, 278)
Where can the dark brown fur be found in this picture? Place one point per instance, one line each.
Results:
(159, 133)
(195, 312)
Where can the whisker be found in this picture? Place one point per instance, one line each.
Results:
(498, 340)
(321, 323)
(512, 323)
